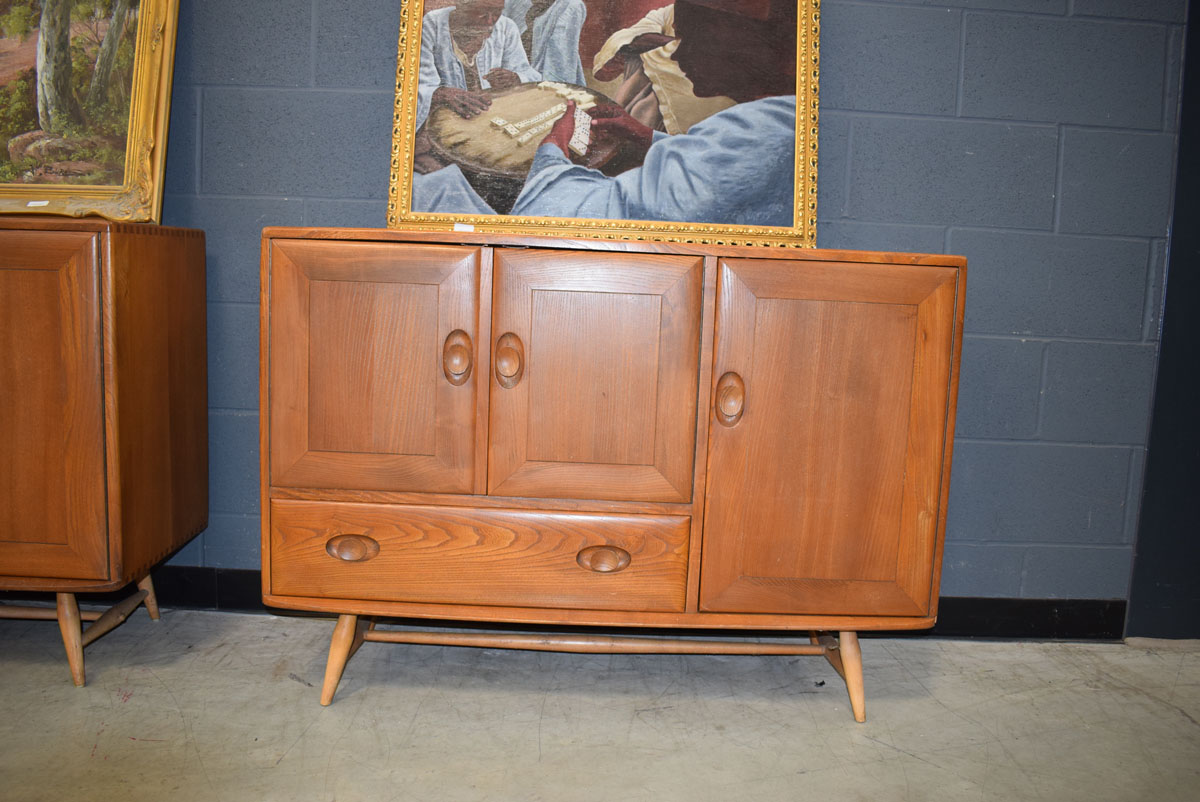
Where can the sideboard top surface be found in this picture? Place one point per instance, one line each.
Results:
(637, 246)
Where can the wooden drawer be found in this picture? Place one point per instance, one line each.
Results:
(481, 557)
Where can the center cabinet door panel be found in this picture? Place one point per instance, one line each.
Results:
(372, 354)
(596, 359)
(832, 398)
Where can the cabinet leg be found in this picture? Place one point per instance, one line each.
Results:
(72, 634)
(853, 673)
(347, 637)
(151, 601)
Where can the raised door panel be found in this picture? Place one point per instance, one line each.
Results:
(833, 393)
(53, 517)
(372, 350)
(596, 361)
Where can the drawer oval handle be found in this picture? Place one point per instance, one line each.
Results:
(352, 548)
(603, 559)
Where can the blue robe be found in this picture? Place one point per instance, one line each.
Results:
(737, 167)
(446, 190)
(440, 67)
(555, 38)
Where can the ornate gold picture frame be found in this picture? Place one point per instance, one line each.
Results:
(84, 104)
(718, 150)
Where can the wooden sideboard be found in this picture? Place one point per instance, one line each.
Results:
(544, 432)
(103, 412)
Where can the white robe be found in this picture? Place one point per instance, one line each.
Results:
(736, 168)
(677, 101)
(440, 67)
(555, 38)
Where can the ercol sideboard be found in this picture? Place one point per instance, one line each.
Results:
(103, 413)
(487, 428)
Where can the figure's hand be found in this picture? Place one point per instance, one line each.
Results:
(463, 102)
(611, 124)
(425, 158)
(501, 78)
(641, 43)
(562, 130)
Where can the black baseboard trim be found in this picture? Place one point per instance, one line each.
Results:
(192, 587)
(239, 590)
(1031, 619)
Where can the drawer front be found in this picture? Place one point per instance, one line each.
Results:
(453, 555)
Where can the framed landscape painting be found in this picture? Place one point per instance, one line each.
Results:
(85, 89)
(693, 121)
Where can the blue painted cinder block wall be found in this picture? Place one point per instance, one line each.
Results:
(1036, 137)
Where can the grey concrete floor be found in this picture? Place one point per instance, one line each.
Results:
(221, 706)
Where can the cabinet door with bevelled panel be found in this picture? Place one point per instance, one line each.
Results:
(832, 384)
(595, 375)
(51, 409)
(372, 354)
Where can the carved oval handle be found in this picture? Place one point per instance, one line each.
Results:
(352, 548)
(456, 357)
(603, 559)
(510, 360)
(731, 399)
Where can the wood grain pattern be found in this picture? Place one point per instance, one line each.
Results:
(481, 501)
(600, 618)
(347, 637)
(607, 404)
(103, 410)
(618, 244)
(700, 469)
(838, 516)
(501, 557)
(52, 494)
(72, 635)
(948, 438)
(591, 644)
(156, 392)
(358, 395)
(827, 383)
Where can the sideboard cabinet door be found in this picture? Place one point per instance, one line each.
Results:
(53, 519)
(832, 399)
(596, 359)
(373, 349)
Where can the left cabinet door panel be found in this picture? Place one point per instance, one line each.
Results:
(53, 519)
(373, 350)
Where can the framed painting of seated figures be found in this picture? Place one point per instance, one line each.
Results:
(85, 89)
(692, 121)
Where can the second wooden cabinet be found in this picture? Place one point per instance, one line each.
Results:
(577, 433)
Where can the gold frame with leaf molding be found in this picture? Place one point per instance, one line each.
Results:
(802, 233)
(139, 197)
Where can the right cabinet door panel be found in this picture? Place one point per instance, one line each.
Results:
(833, 391)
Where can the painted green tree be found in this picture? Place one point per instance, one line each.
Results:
(82, 80)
